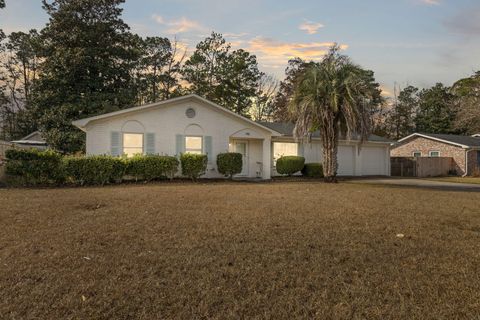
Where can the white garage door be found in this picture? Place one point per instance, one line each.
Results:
(346, 160)
(374, 161)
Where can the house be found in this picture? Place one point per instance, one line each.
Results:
(195, 125)
(464, 150)
(33, 140)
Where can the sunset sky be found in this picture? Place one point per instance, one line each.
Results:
(416, 42)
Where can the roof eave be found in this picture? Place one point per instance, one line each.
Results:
(82, 123)
(433, 138)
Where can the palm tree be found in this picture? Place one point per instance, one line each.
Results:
(336, 97)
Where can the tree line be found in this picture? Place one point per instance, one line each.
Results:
(86, 61)
(439, 109)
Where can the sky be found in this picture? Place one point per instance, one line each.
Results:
(405, 42)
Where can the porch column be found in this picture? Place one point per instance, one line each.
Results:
(267, 159)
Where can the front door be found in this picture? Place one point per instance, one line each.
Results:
(242, 147)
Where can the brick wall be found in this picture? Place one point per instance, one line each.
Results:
(472, 161)
(423, 145)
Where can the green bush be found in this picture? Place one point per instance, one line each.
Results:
(193, 165)
(290, 165)
(229, 164)
(313, 170)
(31, 167)
(151, 167)
(94, 170)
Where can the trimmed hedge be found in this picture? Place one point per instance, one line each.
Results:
(230, 164)
(290, 165)
(151, 167)
(313, 170)
(193, 165)
(31, 167)
(94, 170)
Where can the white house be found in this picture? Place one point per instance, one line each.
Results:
(196, 125)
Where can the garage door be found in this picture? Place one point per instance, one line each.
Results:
(346, 160)
(374, 161)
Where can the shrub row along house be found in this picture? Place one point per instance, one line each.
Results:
(191, 124)
(464, 150)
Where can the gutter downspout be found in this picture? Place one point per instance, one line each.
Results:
(466, 162)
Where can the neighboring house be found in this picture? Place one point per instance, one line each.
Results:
(33, 140)
(465, 150)
(196, 125)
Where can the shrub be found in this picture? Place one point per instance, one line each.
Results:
(229, 164)
(151, 167)
(313, 170)
(290, 164)
(30, 167)
(193, 165)
(94, 170)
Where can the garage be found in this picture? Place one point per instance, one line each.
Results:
(374, 161)
(346, 161)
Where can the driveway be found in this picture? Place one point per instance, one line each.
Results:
(442, 185)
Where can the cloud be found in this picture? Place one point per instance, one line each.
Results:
(310, 27)
(235, 35)
(431, 2)
(466, 22)
(386, 92)
(274, 53)
(180, 25)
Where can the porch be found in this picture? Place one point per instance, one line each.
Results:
(256, 156)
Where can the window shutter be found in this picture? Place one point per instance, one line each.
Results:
(115, 144)
(150, 143)
(180, 144)
(208, 148)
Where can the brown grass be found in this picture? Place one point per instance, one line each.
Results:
(239, 250)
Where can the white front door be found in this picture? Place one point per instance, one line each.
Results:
(242, 147)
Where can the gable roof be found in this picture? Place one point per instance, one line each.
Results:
(28, 137)
(82, 123)
(453, 139)
(286, 129)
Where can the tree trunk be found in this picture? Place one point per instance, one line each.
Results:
(329, 136)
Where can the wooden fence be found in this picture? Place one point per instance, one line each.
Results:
(421, 166)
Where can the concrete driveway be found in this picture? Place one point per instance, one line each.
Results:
(420, 184)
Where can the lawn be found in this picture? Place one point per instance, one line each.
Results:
(239, 250)
(472, 180)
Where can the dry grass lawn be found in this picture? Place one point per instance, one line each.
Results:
(239, 250)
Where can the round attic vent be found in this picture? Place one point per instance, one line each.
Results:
(190, 113)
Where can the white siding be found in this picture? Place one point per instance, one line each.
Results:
(255, 157)
(170, 120)
(346, 160)
(374, 161)
(313, 152)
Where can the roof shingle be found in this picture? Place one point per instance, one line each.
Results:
(286, 129)
(458, 139)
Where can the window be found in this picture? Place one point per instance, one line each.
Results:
(417, 154)
(193, 144)
(132, 144)
(281, 149)
(434, 154)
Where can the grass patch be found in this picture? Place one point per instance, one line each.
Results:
(239, 250)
